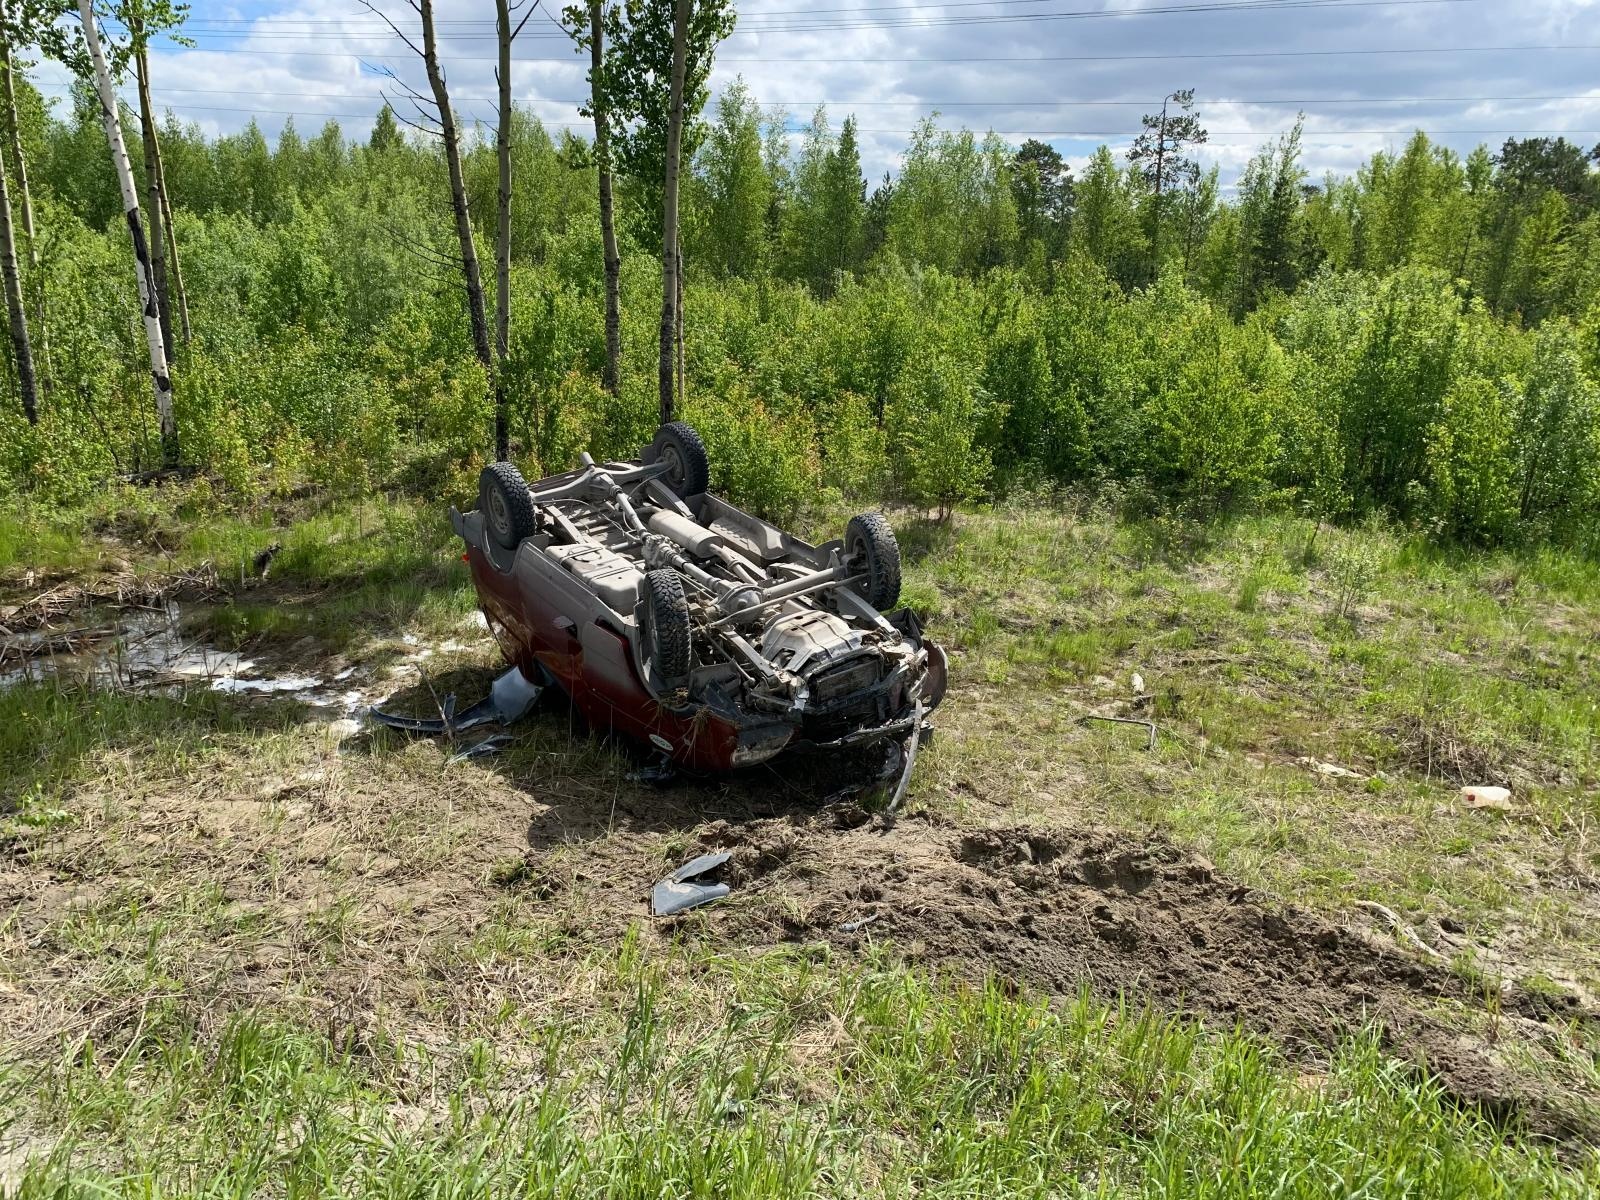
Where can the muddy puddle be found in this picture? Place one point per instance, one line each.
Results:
(155, 649)
(1057, 911)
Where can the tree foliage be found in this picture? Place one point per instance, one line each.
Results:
(1420, 340)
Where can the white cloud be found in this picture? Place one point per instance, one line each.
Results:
(308, 58)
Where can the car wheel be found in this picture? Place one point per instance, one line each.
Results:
(506, 505)
(666, 627)
(688, 470)
(871, 550)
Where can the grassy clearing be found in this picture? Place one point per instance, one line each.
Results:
(338, 577)
(1416, 670)
(47, 732)
(694, 1074)
(237, 957)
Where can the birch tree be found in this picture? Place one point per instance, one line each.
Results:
(505, 35)
(152, 176)
(443, 115)
(502, 229)
(671, 296)
(13, 36)
(143, 19)
(654, 87)
(16, 315)
(161, 381)
(587, 28)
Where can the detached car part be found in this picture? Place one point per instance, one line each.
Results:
(509, 699)
(679, 892)
(668, 614)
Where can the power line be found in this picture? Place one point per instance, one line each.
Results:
(1055, 58)
(249, 23)
(749, 27)
(848, 102)
(1013, 133)
(1212, 6)
(1356, 52)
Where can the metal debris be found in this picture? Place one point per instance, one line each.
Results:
(1150, 725)
(483, 749)
(677, 893)
(508, 701)
(912, 743)
(1327, 769)
(859, 923)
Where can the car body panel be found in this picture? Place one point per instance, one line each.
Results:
(556, 628)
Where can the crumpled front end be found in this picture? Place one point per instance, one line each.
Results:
(841, 686)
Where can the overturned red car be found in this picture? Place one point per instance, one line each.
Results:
(669, 615)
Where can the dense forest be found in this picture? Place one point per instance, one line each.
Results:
(1420, 340)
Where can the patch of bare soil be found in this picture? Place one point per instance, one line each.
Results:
(1056, 911)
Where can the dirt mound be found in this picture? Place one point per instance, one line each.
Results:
(1056, 911)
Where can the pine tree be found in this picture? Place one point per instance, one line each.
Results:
(1041, 189)
(386, 133)
(843, 205)
(1160, 153)
(1269, 202)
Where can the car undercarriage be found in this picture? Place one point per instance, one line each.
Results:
(664, 611)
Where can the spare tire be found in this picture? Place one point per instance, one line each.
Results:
(688, 470)
(665, 627)
(506, 504)
(871, 550)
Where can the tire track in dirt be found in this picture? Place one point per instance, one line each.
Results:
(1054, 910)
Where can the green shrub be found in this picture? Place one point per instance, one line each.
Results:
(762, 458)
(935, 411)
(1471, 481)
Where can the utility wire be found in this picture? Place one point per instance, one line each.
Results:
(1034, 58)
(751, 26)
(1015, 133)
(844, 103)
(248, 23)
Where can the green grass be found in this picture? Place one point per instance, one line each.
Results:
(690, 1074)
(50, 732)
(342, 577)
(28, 540)
(1419, 669)
(168, 845)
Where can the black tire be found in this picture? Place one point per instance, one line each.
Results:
(666, 627)
(506, 506)
(871, 550)
(681, 448)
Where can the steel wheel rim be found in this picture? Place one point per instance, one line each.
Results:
(675, 469)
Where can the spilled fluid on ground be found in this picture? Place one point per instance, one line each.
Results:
(152, 651)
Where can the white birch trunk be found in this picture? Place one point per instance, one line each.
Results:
(25, 201)
(458, 203)
(160, 380)
(611, 378)
(502, 236)
(669, 216)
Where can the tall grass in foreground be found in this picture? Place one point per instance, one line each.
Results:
(775, 1076)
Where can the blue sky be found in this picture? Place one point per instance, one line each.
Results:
(1074, 72)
